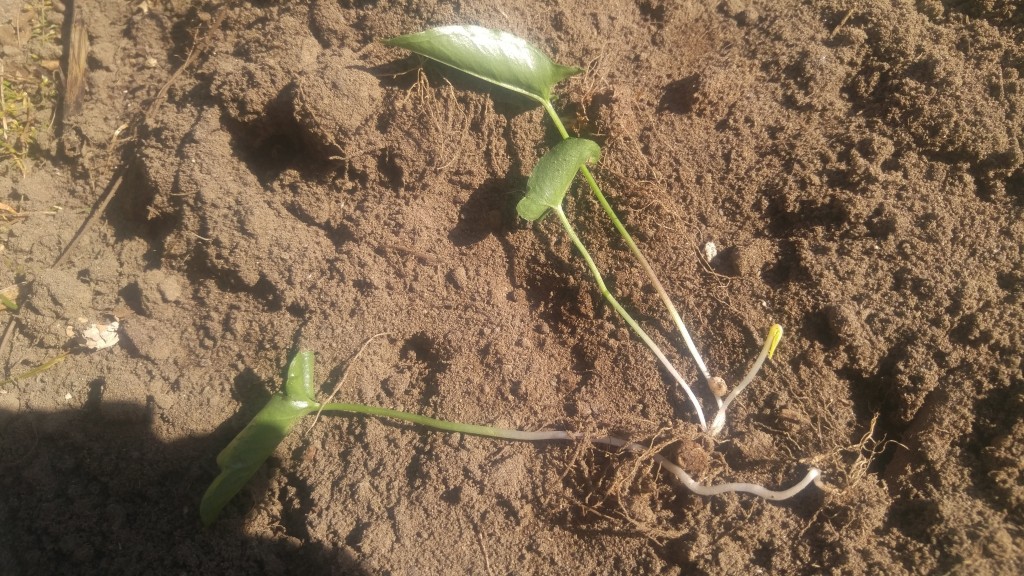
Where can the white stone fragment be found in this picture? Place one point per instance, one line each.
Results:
(99, 336)
(710, 251)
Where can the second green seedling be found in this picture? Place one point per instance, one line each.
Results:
(512, 63)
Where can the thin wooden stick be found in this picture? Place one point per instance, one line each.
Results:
(108, 195)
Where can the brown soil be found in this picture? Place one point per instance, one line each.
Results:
(858, 165)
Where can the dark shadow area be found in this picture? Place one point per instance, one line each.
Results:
(131, 295)
(390, 172)
(489, 210)
(787, 268)
(131, 215)
(728, 262)
(559, 297)
(915, 518)
(1000, 14)
(827, 215)
(93, 491)
(401, 74)
(198, 268)
(680, 95)
(992, 451)
(432, 357)
(910, 473)
(271, 145)
(654, 11)
(815, 327)
(877, 394)
(1015, 187)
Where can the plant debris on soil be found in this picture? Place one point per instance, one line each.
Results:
(268, 175)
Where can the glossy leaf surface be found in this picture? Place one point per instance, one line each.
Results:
(497, 57)
(554, 174)
(258, 440)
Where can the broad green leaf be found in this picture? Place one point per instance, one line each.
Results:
(553, 176)
(258, 440)
(497, 57)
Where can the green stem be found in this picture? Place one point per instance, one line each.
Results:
(628, 238)
(554, 117)
(447, 426)
(626, 316)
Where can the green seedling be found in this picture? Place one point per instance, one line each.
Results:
(244, 455)
(512, 63)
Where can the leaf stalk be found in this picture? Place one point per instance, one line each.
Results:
(655, 349)
(635, 250)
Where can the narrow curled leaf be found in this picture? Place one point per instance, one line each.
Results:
(553, 175)
(497, 57)
(258, 440)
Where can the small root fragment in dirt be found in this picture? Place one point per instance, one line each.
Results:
(6, 216)
(618, 487)
(865, 451)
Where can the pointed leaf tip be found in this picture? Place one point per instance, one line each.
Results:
(554, 174)
(774, 337)
(497, 57)
(299, 383)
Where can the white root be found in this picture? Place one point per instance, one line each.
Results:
(685, 479)
(702, 490)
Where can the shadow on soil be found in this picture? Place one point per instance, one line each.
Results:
(91, 493)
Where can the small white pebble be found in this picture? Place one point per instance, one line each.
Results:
(710, 251)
